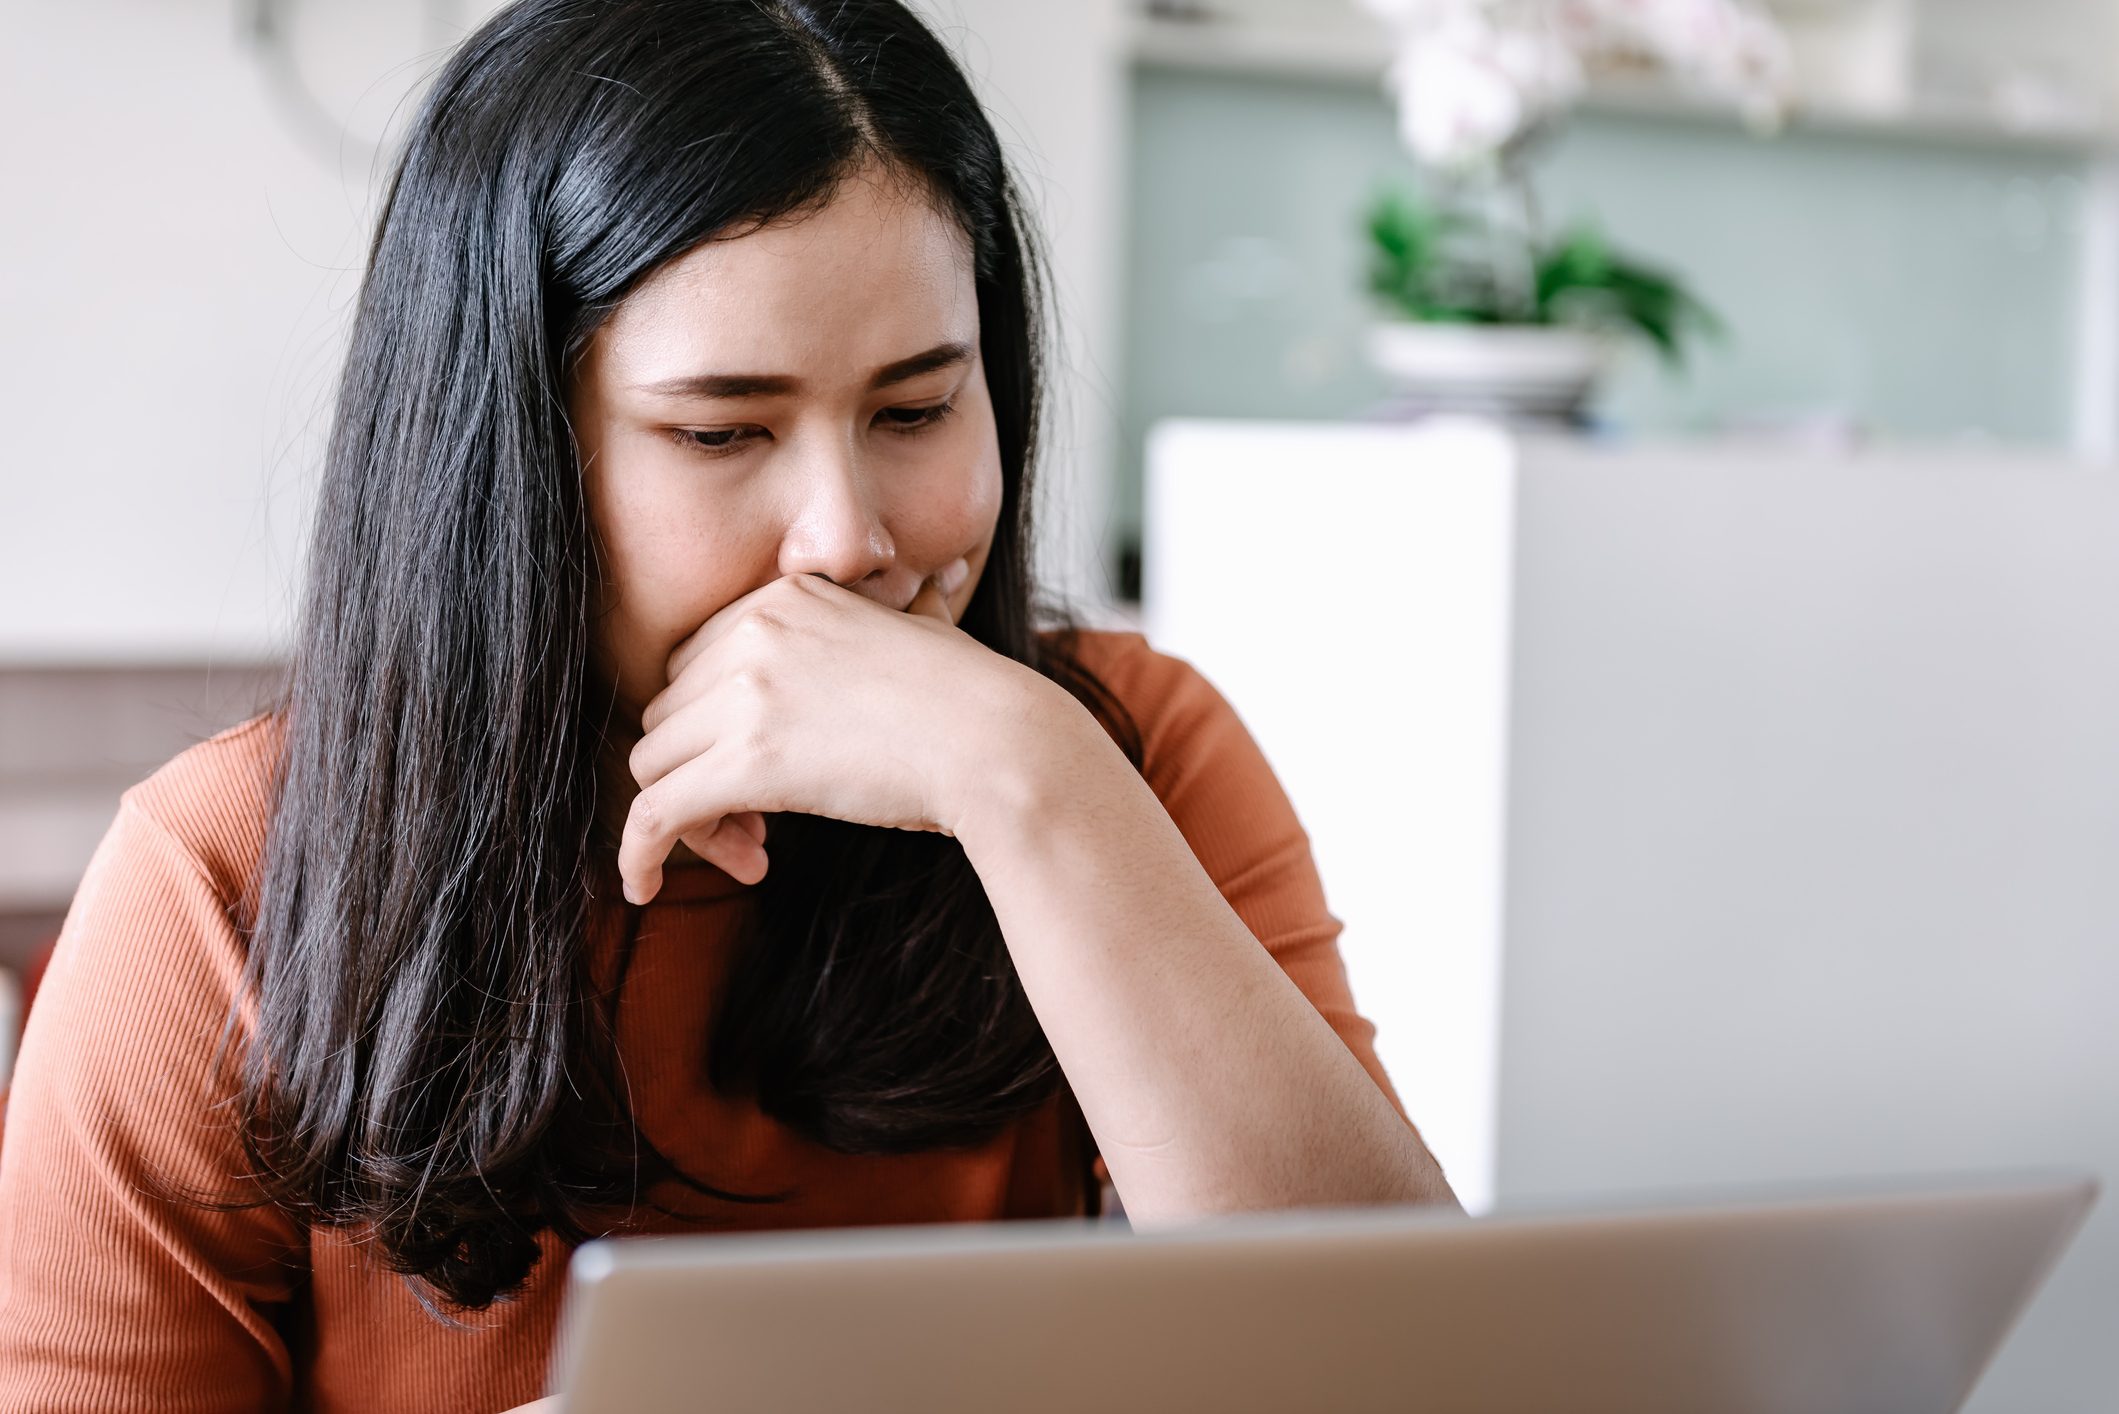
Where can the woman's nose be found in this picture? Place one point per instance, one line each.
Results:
(837, 528)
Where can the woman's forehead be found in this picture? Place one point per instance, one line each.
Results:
(875, 273)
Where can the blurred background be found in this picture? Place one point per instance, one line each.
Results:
(1646, 477)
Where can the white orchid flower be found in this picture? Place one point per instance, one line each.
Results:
(1468, 92)
(1473, 76)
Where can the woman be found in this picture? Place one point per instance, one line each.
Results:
(673, 821)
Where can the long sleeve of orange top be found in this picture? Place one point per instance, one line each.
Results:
(116, 1295)
(109, 1288)
(1212, 778)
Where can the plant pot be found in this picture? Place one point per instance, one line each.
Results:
(1518, 371)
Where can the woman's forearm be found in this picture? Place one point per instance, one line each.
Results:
(1210, 1081)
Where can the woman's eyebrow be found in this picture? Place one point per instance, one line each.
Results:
(760, 385)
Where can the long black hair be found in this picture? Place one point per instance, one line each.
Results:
(431, 1060)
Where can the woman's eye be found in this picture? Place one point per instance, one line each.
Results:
(914, 419)
(720, 439)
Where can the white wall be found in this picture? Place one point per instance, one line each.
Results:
(174, 279)
(182, 250)
(1053, 79)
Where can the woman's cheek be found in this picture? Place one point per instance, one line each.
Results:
(981, 524)
(675, 568)
(982, 504)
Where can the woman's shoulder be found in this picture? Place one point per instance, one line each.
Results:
(153, 942)
(211, 801)
(1148, 681)
(1183, 721)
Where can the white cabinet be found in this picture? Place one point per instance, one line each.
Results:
(1810, 867)
(1347, 589)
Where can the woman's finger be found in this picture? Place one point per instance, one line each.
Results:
(731, 848)
(724, 619)
(673, 698)
(668, 744)
(689, 800)
(703, 637)
(930, 603)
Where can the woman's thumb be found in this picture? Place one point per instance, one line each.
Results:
(931, 602)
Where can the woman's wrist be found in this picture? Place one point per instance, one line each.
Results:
(1040, 749)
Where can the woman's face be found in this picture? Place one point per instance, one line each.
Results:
(803, 399)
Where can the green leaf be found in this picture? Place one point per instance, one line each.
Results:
(1582, 279)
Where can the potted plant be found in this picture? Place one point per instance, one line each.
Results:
(1479, 319)
(1480, 309)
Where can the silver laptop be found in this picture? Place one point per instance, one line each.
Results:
(1884, 1302)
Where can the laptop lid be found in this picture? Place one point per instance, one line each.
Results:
(1882, 1302)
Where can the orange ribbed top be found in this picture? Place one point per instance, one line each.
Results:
(113, 1297)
